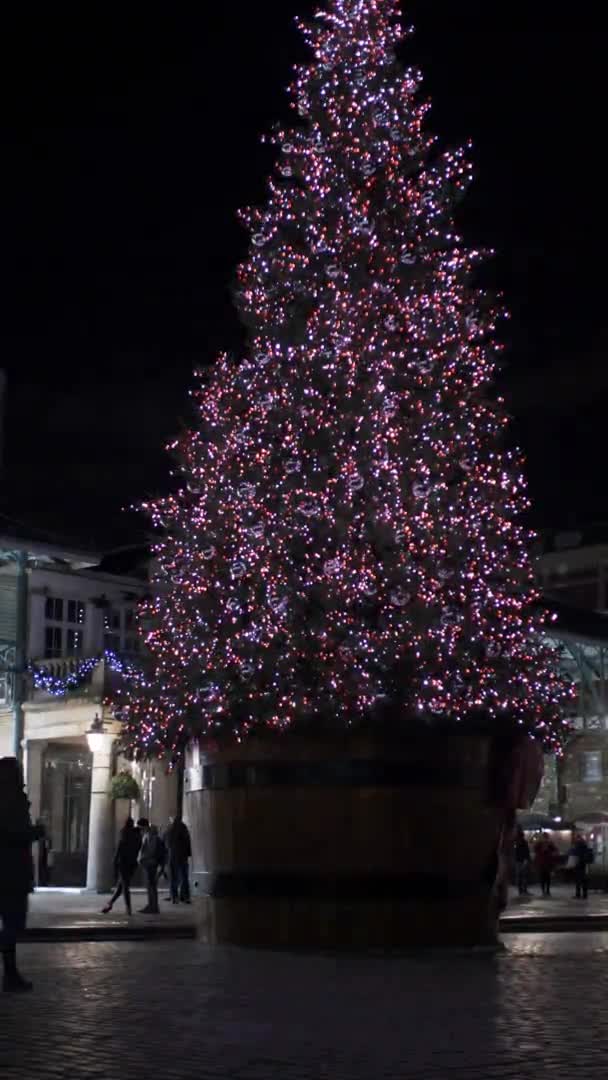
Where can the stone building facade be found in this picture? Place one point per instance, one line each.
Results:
(67, 613)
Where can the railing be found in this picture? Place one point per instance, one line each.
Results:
(63, 675)
(62, 667)
(60, 676)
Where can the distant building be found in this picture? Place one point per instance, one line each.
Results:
(573, 574)
(573, 568)
(66, 617)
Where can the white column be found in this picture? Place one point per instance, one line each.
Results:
(32, 768)
(33, 751)
(101, 820)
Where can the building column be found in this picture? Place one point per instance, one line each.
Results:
(20, 654)
(33, 751)
(101, 821)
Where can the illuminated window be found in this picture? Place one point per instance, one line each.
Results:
(121, 630)
(591, 767)
(62, 639)
(76, 611)
(4, 690)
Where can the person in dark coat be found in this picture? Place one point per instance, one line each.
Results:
(125, 864)
(177, 839)
(583, 856)
(152, 857)
(547, 857)
(522, 861)
(16, 868)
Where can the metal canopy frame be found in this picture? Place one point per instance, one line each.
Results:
(585, 660)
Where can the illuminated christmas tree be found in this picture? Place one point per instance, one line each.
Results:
(347, 539)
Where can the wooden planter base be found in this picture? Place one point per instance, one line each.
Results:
(350, 843)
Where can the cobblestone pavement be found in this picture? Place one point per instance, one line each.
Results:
(179, 1010)
(562, 902)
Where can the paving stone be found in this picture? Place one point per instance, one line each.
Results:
(179, 1010)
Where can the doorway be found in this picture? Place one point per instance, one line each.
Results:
(64, 809)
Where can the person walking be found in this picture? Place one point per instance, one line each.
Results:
(179, 849)
(522, 861)
(152, 858)
(546, 856)
(125, 864)
(582, 856)
(16, 868)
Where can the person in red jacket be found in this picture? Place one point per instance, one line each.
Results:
(546, 856)
(16, 867)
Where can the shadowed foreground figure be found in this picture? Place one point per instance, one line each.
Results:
(16, 868)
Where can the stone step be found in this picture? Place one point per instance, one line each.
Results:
(126, 932)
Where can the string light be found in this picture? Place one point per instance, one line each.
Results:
(45, 679)
(349, 527)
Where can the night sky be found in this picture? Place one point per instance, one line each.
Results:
(131, 136)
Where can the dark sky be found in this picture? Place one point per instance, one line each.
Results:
(130, 137)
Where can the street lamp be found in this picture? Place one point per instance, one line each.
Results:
(95, 735)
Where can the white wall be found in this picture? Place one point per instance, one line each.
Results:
(164, 791)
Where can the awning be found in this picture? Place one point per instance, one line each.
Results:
(594, 817)
(544, 822)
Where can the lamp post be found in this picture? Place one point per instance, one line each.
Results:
(95, 735)
(101, 818)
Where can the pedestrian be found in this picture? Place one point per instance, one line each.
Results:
(581, 855)
(546, 856)
(179, 850)
(125, 864)
(152, 858)
(17, 868)
(522, 861)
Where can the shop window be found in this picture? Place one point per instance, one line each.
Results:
(4, 691)
(591, 767)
